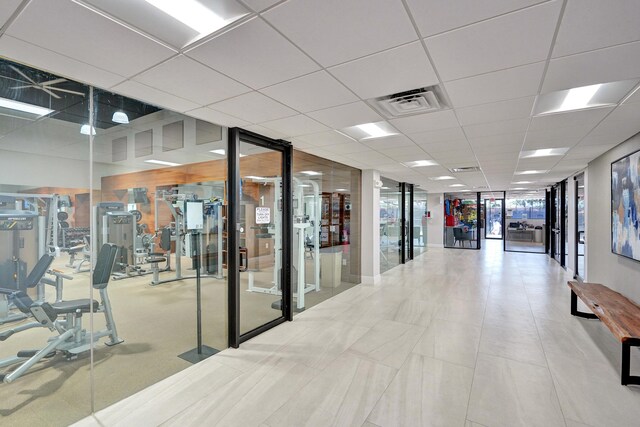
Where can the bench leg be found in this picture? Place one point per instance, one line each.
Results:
(625, 377)
(574, 308)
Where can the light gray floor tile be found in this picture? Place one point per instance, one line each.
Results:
(509, 393)
(513, 343)
(343, 394)
(463, 311)
(590, 392)
(450, 341)
(426, 392)
(388, 342)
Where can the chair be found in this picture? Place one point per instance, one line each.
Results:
(459, 235)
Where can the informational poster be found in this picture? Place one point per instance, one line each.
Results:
(195, 216)
(263, 215)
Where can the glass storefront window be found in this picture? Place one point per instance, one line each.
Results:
(390, 217)
(461, 227)
(419, 221)
(525, 221)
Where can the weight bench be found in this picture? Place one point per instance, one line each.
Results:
(617, 312)
(65, 318)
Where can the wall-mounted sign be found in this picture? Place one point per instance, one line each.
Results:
(263, 215)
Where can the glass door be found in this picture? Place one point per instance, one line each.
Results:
(580, 230)
(461, 223)
(557, 219)
(493, 218)
(259, 234)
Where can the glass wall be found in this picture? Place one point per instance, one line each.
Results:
(390, 218)
(326, 237)
(493, 218)
(419, 221)
(109, 199)
(461, 227)
(525, 221)
(580, 226)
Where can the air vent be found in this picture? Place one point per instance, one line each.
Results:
(409, 103)
(465, 169)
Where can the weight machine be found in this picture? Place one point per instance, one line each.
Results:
(302, 223)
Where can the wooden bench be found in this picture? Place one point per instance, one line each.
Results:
(617, 312)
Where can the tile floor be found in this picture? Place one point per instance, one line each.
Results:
(454, 338)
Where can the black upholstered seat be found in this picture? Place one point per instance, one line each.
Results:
(83, 304)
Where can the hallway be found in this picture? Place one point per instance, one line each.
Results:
(454, 338)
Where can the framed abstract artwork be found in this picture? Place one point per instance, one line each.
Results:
(625, 200)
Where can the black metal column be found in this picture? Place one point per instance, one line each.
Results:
(403, 224)
(411, 225)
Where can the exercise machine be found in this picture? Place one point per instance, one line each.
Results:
(65, 319)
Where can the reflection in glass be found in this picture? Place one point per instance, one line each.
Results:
(525, 221)
(419, 221)
(390, 215)
(580, 229)
(461, 220)
(493, 218)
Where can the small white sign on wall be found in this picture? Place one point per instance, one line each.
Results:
(195, 216)
(263, 215)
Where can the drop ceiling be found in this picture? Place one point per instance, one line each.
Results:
(304, 70)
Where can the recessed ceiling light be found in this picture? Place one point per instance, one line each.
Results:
(420, 163)
(162, 162)
(120, 117)
(385, 188)
(440, 178)
(530, 172)
(341, 189)
(254, 177)
(305, 186)
(191, 13)
(457, 185)
(543, 152)
(368, 131)
(579, 98)
(518, 188)
(24, 107)
(311, 173)
(523, 182)
(85, 129)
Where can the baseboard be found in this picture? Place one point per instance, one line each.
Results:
(371, 280)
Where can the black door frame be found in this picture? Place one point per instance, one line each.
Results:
(235, 136)
(557, 222)
(406, 221)
(576, 184)
(478, 219)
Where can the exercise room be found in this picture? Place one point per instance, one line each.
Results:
(109, 199)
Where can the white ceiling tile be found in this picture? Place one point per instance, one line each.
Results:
(543, 163)
(401, 153)
(587, 152)
(311, 92)
(56, 63)
(536, 141)
(295, 126)
(371, 157)
(154, 96)
(496, 128)
(335, 31)
(7, 8)
(510, 40)
(400, 69)
(254, 54)
(349, 148)
(599, 66)
(398, 140)
(253, 107)
(85, 39)
(585, 118)
(496, 111)
(426, 122)
(445, 147)
(346, 115)
(497, 86)
(209, 115)
(325, 138)
(270, 133)
(509, 142)
(436, 16)
(184, 77)
(635, 96)
(594, 24)
(260, 5)
(568, 133)
(438, 136)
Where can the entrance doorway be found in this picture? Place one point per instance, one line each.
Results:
(493, 218)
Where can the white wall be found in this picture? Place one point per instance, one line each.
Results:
(614, 271)
(370, 223)
(43, 171)
(435, 224)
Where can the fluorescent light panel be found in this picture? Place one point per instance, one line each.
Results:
(222, 152)
(24, 107)
(162, 162)
(580, 98)
(530, 172)
(420, 163)
(191, 13)
(543, 152)
(441, 178)
(373, 130)
(457, 185)
(341, 189)
(311, 173)
(368, 131)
